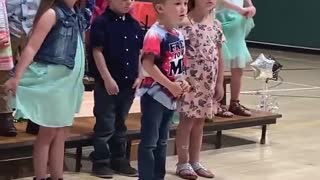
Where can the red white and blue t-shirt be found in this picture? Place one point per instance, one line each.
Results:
(168, 49)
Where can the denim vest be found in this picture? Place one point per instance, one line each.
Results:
(60, 45)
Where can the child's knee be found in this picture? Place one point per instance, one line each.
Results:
(199, 123)
(185, 124)
(162, 142)
(149, 142)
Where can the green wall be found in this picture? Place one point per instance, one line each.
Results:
(287, 22)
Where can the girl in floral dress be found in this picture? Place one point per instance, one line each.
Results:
(204, 73)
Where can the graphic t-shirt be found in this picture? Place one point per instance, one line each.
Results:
(168, 49)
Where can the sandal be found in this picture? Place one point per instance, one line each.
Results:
(222, 111)
(238, 109)
(202, 171)
(185, 171)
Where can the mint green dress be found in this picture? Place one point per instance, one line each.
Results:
(50, 95)
(235, 28)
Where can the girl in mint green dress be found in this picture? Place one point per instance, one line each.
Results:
(236, 19)
(48, 82)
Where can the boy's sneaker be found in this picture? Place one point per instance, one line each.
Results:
(102, 171)
(122, 167)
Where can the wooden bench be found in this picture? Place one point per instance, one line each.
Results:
(81, 133)
(15, 148)
(258, 118)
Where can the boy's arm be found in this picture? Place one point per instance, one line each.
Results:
(140, 75)
(154, 71)
(149, 66)
(109, 83)
(97, 42)
(140, 64)
(137, 82)
(101, 64)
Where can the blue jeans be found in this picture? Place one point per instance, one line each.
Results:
(109, 138)
(155, 125)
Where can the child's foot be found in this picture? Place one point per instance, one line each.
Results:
(41, 178)
(185, 171)
(238, 109)
(202, 171)
(102, 171)
(222, 111)
(123, 167)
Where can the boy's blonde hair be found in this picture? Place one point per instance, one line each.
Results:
(155, 2)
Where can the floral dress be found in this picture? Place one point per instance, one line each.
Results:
(203, 42)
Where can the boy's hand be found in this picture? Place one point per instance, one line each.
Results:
(137, 83)
(176, 89)
(111, 86)
(219, 93)
(4, 42)
(185, 86)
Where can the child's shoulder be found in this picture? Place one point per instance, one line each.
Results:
(133, 21)
(217, 23)
(185, 22)
(102, 18)
(155, 30)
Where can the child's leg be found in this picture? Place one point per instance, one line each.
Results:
(118, 141)
(41, 150)
(196, 140)
(57, 153)
(236, 76)
(160, 153)
(6, 120)
(104, 111)
(195, 148)
(152, 114)
(235, 106)
(183, 139)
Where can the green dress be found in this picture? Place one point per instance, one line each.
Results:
(50, 95)
(235, 28)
